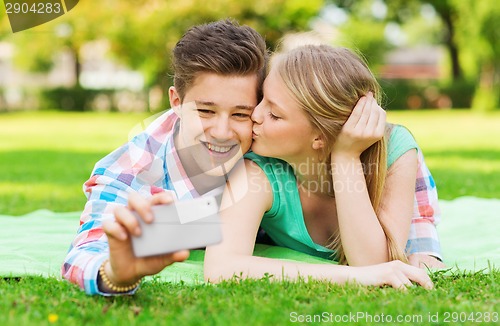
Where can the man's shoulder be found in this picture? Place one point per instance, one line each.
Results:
(161, 123)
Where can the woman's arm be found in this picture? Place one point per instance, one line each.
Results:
(363, 239)
(244, 202)
(396, 207)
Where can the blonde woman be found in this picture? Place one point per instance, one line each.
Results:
(327, 177)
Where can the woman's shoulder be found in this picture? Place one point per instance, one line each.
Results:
(267, 164)
(400, 140)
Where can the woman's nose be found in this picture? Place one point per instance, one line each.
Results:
(257, 114)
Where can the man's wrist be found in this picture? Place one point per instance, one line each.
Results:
(106, 283)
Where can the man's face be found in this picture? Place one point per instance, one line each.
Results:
(215, 128)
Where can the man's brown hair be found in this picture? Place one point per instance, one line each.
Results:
(222, 47)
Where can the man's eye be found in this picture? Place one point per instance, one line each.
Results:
(242, 115)
(205, 112)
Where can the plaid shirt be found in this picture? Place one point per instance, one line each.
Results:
(147, 164)
(423, 237)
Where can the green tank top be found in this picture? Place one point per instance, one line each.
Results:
(284, 222)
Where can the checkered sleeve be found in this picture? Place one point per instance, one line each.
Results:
(423, 237)
(137, 166)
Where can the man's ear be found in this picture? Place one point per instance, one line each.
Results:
(318, 142)
(175, 100)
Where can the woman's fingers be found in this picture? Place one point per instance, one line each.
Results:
(373, 114)
(403, 282)
(381, 123)
(401, 276)
(367, 118)
(356, 114)
(376, 119)
(417, 275)
(363, 112)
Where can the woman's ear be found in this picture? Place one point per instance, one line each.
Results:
(175, 100)
(318, 142)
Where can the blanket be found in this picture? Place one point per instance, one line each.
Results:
(36, 243)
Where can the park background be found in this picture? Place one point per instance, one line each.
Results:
(115, 56)
(75, 88)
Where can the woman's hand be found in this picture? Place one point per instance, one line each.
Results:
(365, 126)
(124, 268)
(394, 273)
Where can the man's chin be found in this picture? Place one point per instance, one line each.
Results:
(216, 172)
(221, 166)
(219, 170)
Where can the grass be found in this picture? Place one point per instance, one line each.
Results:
(46, 156)
(461, 149)
(252, 302)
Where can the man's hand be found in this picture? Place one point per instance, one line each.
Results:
(425, 261)
(124, 268)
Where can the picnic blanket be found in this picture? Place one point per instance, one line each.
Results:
(36, 243)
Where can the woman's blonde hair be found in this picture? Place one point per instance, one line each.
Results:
(327, 82)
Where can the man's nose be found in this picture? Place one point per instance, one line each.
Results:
(221, 129)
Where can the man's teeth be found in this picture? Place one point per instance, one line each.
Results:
(219, 149)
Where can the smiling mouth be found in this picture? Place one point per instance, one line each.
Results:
(218, 149)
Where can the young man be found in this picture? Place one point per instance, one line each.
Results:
(185, 153)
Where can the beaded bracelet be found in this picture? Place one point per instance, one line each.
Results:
(113, 287)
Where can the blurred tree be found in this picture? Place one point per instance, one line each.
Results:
(147, 31)
(448, 14)
(141, 33)
(478, 34)
(404, 10)
(470, 33)
(364, 31)
(36, 47)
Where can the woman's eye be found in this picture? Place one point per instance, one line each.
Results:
(272, 116)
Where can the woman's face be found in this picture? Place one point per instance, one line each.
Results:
(281, 128)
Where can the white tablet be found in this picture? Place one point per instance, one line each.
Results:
(187, 224)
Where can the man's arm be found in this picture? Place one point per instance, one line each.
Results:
(136, 167)
(90, 247)
(423, 247)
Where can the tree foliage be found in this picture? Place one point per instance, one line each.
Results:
(141, 33)
(479, 35)
(470, 31)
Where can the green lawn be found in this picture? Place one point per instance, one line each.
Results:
(45, 158)
(462, 149)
